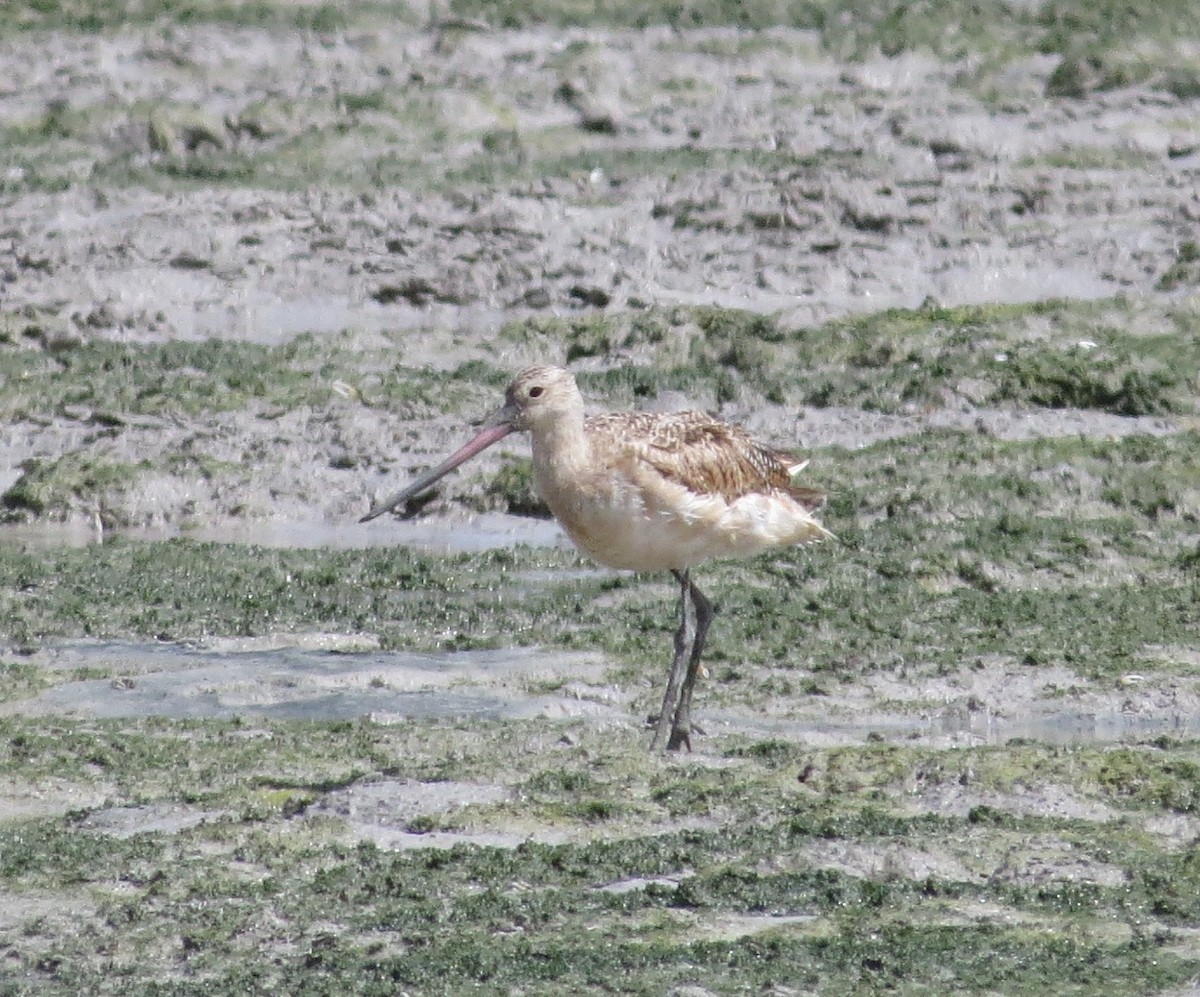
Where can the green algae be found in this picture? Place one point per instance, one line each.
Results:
(114, 381)
(50, 487)
(728, 880)
(770, 865)
(1108, 356)
(20, 680)
(949, 28)
(899, 359)
(743, 897)
(91, 16)
(1184, 271)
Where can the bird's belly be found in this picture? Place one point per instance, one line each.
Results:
(637, 543)
(626, 528)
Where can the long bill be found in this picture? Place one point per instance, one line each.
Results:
(496, 427)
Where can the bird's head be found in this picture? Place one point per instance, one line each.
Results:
(538, 396)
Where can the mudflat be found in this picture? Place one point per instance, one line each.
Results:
(260, 263)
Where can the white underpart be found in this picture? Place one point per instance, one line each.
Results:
(674, 527)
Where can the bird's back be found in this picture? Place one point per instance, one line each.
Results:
(701, 453)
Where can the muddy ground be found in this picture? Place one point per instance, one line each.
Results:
(410, 194)
(624, 170)
(709, 167)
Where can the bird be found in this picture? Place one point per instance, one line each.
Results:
(649, 492)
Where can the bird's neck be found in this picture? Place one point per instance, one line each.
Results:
(561, 451)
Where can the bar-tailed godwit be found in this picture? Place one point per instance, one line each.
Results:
(649, 492)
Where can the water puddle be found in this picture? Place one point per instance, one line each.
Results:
(323, 676)
(1048, 723)
(125, 822)
(486, 531)
(385, 813)
(1065, 725)
(309, 683)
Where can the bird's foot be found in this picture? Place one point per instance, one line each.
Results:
(680, 736)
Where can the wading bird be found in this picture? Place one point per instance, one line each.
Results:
(649, 492)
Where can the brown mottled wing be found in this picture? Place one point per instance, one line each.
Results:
(704, 455)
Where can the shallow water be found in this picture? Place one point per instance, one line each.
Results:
(290, 683)
(486, 531)
(329, 679)
(1064, 724)
(1049, 724)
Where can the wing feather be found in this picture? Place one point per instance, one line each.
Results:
(702, 454)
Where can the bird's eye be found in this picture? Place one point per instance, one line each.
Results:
(536, 391)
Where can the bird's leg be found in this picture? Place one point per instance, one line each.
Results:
(681, 729)
(684, 642)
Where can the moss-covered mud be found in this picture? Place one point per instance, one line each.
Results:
(956, 751)
(268, 259)
(241, 855)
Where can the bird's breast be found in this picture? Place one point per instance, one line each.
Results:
(603, 514)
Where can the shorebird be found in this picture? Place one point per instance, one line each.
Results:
(649, 492)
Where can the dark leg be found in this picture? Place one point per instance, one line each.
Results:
(681, 729)
(685, 638)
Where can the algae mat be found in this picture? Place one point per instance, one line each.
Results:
(269, 259)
